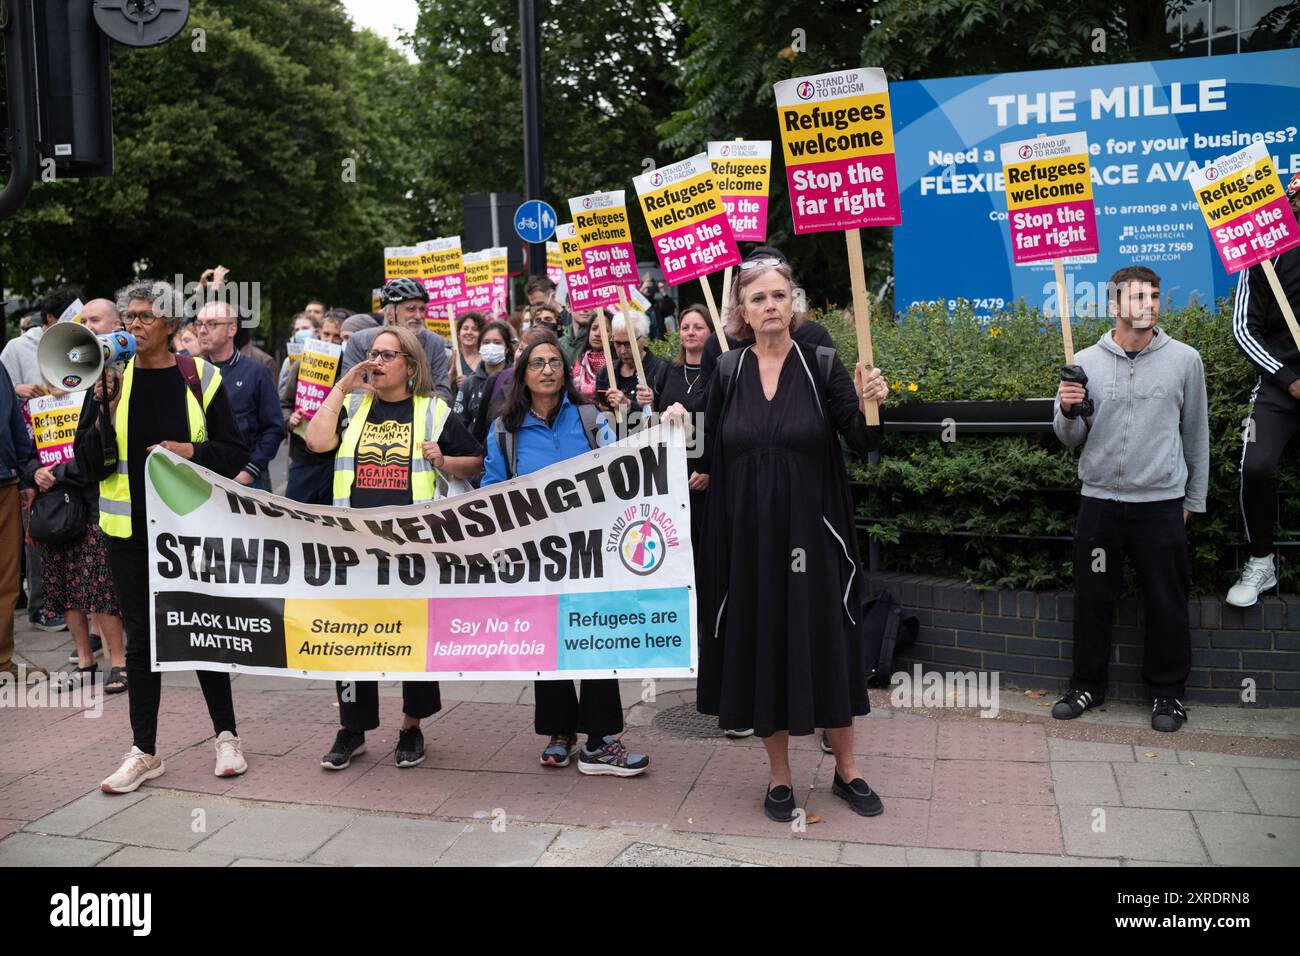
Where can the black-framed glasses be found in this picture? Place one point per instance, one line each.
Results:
(208, 324)
(538, 364)
(762, 262)
(384, 355)
(144, 318)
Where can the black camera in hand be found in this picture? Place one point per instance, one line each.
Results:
(1076, 374)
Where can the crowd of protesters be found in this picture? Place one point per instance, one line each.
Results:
(783, 649)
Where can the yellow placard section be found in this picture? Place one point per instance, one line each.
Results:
(554, 257)
(1041, 182)
(498, 266)
(1241, 193)
(846, 128)
(478, 273)
(442, 262)
(571, 254)
(742, 176)
(682, 204)
(57, 426)
(401, 267)
(602, 226)
(382, 635)
(318, 367)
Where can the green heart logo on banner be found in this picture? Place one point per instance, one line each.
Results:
(179, 485)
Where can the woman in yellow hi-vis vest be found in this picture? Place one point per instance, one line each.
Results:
(401, 444)
(178, 403)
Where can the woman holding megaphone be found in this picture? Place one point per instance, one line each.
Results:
(177, 403)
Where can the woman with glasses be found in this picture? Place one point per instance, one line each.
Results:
(547, 421)
(627, 391)
(399, 445)
(177, 403)
(782, 649)
(592, 362)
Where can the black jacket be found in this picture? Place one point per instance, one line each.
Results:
(809, 333)
(1257, 323)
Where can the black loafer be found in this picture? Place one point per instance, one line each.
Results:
(779, 804)
(860, 797)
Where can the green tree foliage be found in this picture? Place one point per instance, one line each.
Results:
(608, 80)
(230, 147)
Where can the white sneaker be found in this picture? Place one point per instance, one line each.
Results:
(740, 734)
(1256, 577)
(137, 767)
(230, 758)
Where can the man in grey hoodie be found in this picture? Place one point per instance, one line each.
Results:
(1145, 469)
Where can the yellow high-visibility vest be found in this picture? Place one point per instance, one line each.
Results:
(115, 490)
(427, 483)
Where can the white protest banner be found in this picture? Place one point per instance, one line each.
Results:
(581, 570)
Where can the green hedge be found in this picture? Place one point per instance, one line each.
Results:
(924, 491)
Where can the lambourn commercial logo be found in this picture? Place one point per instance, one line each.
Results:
(643, 535)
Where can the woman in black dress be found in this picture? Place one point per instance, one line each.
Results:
(781, 647)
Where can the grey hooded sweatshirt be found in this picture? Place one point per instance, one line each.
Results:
(1149, 439)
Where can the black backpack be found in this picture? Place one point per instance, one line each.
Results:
(729, 361)
(888, 630)
(509, 448)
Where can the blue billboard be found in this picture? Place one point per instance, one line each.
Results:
(1148, 126)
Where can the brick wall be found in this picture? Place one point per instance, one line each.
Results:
(1027, 637)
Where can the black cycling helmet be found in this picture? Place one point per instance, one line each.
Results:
(402, 290)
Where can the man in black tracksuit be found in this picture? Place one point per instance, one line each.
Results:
(1262, 334)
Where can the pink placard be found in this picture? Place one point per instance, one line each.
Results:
(501, 634)
(844, 194)
(1257, 235)
(1054, 232)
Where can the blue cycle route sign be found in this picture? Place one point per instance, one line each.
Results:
(535, 221)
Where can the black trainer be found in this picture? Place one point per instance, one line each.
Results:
(1074, 703)
(347, 744)
(410, 747)
(861, 797)
(779, 804)
(1167, 714)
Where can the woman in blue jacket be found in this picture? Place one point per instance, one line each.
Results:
(546, 421)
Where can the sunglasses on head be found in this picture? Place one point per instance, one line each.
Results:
(761, 262)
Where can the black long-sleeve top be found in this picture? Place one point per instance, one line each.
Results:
(158, 413)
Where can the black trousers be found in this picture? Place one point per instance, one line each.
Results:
(560, 709)
(128, 560)
(420, 699)
(1153, 536)
(1276, 418)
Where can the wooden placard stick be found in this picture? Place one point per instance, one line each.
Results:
(861, 313)
(634, 341)
(609, 355)
(1067, 333)
(713, 307)
(1282, 302)
(455, 346)
(726, 297)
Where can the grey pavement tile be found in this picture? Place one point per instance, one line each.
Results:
(866, 854)
(169, 823)
(826, 852)
(926, 856)
(279, 834)
(34, 849)
(1275, 792)
(388, 841)
(1059, 749)
(516, 845)
(648, 854)
(1174, 787)
(1246, 839)
(84, 813)
(1084, 782)
(993, 858)
(1112, 831)
(152, 856)
(1203, 759)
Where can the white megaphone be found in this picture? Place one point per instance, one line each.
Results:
(72, 357)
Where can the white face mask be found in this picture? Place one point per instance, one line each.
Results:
(493, 353)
